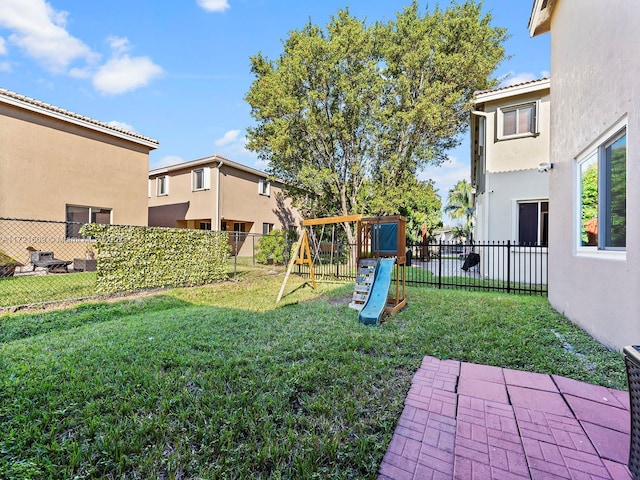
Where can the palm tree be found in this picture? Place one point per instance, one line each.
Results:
(460, 205)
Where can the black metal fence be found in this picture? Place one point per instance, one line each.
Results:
(494, 266)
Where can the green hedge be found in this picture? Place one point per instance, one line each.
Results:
(136, 258)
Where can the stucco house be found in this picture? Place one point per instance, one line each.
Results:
(510, 176)
(59, 165)
(215, 193)
(594, 265)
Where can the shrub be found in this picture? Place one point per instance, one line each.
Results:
(135, 258)
(7, 265)
(272, 248)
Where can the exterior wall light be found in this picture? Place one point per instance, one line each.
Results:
(545, 167)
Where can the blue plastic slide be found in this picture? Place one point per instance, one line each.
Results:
(374, 308)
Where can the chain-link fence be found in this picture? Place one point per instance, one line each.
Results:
(44, 261)
(47, 261)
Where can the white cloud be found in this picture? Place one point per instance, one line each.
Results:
(41, 32)
(124, 74)
(119, 45)
(229, 137)
(165, 161)
(5, 67)
(122, 126)
(232, 145)
(447, 175)
(214, 5)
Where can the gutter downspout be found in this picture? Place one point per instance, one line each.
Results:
(487, 189)
(218, 216)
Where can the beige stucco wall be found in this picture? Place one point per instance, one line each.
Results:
(233, 191)
(240, 201)
(46, 164)
(511, 168)
(595, 67)
(519, 153)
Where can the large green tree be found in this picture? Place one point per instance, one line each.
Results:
(422, 206)
(348, 114)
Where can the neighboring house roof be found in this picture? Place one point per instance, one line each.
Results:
(512, 90)
(11, 98)
(206, 161)
(540, 20)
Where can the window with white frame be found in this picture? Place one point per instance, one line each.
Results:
(162, 185)
(264, 187)
(533, 222)
(76, 216)
(602, 193)
(517, 121)
(200, 179)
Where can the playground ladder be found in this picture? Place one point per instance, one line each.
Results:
(364, 280)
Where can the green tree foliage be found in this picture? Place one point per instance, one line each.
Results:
(422, 206)
(459, 205)
(589, 204)
(272, 248)
(348, 114)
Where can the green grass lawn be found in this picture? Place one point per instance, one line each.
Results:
(29, 290)
(219, 382)
(23, 290)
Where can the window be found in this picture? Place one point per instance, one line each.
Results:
(238, 227)
(205, 225)
(266, 228)
(77, 216)
(200, 179)
(533, 223)
(517, 121)
(162, 185)
(602, 194)
(264, 187)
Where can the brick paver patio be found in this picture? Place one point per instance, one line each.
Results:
(469, 422)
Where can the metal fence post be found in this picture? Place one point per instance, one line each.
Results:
(440, 264)
(508, 266)
(235, 257)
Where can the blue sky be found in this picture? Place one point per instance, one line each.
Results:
(178, 71)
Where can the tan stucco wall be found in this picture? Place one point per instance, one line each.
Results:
(511, 173)
(240, 201)
(237, 198)
(46, 164)
(595, 67)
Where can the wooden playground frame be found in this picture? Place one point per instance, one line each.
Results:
(369, 246)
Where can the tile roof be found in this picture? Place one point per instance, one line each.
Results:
(514, 86)
(22, 101)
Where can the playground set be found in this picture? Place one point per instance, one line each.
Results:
(381, 261)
